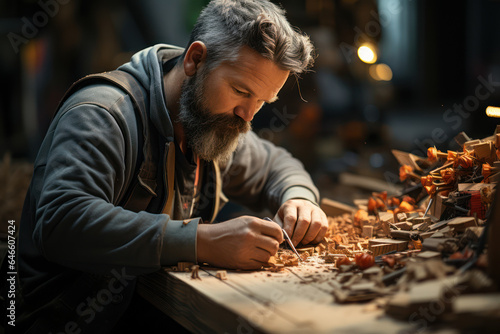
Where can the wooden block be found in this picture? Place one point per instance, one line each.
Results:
(445, 232)
(429, 255)
(462, 138)
(473, 233)
(401, 216)
(401, 234)
(469, 144)
(420, 220)
(401, 244)
(436, 244)
(437, 208)
(368, 231)
(221, 274)
(421, 226)
(459, 224)
(386, 217)
(484, 151)
(382, 249)
(404, 226)
(330, 258)
(409, 159)
(333, 208)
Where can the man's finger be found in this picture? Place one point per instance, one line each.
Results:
(289, 218)
(272, 229)
(261, 256)
(314, 228)
(301, 227)
(323, 229)
(268, 244)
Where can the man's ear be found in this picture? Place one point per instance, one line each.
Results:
(195, 57)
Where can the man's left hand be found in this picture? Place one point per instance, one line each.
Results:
(303, 221)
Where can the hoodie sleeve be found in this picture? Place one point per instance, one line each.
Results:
(77, 223)
(262, 175)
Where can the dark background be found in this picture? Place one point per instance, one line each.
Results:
(437, 52)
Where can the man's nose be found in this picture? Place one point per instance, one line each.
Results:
(246, 112)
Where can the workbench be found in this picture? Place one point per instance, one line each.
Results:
(296, 300)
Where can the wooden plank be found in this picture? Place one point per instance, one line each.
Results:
(369, 183)
(334, 208)
(298, 300)
(206, 305)
(305, 295)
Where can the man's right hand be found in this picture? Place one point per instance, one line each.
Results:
(241, 243)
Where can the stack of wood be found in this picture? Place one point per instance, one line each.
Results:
(415, 243)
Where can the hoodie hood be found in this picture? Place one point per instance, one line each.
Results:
(147, 67)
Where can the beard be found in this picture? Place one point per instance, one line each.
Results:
(212, 137)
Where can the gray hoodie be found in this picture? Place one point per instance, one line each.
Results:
(72, 223)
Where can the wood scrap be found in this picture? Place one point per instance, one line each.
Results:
(221, 274)
(195, 272)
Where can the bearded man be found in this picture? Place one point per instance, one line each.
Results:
(82, 244)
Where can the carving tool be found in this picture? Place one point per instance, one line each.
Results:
(287, 238)
(428, 206)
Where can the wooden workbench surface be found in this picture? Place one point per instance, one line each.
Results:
(296, 300)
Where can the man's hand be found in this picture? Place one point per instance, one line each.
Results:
(240, 243)
(303, 221)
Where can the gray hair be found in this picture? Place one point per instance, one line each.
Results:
(224, 26)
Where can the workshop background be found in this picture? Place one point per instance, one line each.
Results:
(390, 74)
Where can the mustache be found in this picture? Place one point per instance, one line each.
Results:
(221, 121)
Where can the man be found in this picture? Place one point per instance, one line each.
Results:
(81, 248)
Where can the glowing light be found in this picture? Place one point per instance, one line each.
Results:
(493, 111)
(367, 54)
(380, 72)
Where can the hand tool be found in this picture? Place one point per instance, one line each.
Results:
(287, 238)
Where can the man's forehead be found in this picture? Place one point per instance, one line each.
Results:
(257, 72)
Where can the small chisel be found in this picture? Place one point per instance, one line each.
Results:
(287, 238)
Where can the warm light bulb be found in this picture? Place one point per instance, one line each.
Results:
(367, 54)
(384, 72)
(380, 72)
(493, 111)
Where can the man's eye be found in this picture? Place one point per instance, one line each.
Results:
(239, 92)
